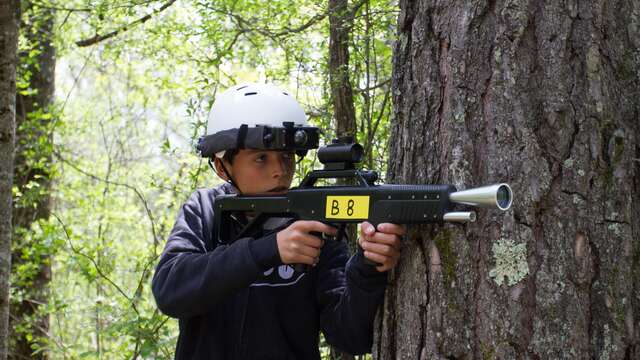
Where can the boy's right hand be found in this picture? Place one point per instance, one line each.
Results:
(297, 246)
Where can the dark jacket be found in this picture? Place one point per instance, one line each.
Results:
(238, 301)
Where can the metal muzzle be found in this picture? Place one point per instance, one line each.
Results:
(497, 196)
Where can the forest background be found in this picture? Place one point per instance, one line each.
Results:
(543, 94)
(111, 98)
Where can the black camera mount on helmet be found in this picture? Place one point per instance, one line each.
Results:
(289, 137)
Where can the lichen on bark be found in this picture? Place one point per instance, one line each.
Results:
(510, 262)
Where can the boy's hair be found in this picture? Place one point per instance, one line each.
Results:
(229, 155)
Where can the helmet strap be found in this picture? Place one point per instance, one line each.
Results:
(229, 177)
(242, 135)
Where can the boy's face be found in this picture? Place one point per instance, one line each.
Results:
(262, 171)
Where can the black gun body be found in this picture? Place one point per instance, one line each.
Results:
(403, 204)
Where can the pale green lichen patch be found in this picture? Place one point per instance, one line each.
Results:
(568, 163)
(511, 262)
(615, 228)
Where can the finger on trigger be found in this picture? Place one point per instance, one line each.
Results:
(323, 228)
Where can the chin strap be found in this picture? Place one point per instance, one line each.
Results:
(224, 168)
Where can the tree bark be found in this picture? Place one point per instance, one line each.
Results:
(9, 15)
(32, 176)
(546, 96)
(340, 23)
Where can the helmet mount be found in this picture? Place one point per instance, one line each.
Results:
(287, 137)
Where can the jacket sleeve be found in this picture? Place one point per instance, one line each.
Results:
(188, 280)
(349, 297)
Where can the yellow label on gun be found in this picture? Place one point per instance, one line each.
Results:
(347, 207)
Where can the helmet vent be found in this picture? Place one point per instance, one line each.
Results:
(285, 93)
(250, 93)
(241, 87)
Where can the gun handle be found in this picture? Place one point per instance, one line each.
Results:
(305, 267)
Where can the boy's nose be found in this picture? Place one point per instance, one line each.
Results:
(282, 167)
(277, 169)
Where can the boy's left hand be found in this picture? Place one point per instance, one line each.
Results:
(381, 246)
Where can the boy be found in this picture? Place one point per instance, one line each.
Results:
(242, 299)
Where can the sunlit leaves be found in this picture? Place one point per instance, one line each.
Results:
(131, 110)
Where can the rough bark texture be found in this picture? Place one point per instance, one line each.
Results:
(544, 95)
(9, 14)
(33, 137)
(340, 21)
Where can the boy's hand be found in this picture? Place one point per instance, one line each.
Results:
(381, 246)
(297, 246)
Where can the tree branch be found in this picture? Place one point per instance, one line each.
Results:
(245, 25)
(98, 38)
(141, 197)
(95, 265)
(378, 85)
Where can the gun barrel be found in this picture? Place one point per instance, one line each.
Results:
(460, 216)
(493, 196)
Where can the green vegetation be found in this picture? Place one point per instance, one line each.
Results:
(131, 99)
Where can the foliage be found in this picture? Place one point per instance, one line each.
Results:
(130, 109)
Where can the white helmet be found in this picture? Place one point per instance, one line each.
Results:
(256, 116)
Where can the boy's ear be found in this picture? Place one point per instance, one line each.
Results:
(217, 164)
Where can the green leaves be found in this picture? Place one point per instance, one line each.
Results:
(120, 144)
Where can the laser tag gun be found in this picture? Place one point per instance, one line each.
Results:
(342, 204)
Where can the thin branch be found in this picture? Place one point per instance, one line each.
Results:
(303, 27)
(245, 25)
(98, 38)
(60, 8)
(46, 332)
(49, 6)
(378, 85)
(377, 122)
(145, 204)
(154, 330)
(75, 82)
(354, 9)
(95, 265)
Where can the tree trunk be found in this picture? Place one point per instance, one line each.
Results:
(9, 15)
(545, 96)
(32, 177)
(340, 23)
